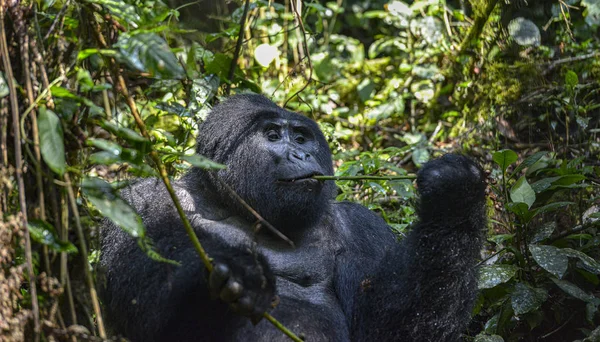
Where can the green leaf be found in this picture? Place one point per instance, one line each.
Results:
(520, 209)
(490, 276)
(550, 207)
(550, 258)
(571, 79)
(504, 158)
(522, 192)
(525, 299)
(575, 291)
(103, 197)
(544, 232)
(532, 159)
(148, 52)
(488, 338)
(123, 132)
(51, 140)
(592, 265)
(387, 109)
(202, 162)
(44, 233)
(120, 10)
(105, 145)
(219, 65)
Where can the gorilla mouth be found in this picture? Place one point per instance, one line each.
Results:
(301, 179)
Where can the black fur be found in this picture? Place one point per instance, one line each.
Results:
(347, 279)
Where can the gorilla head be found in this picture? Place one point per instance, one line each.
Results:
(271, 155)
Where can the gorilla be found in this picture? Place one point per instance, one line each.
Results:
(346, 277)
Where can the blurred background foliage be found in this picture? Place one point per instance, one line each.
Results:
(89, 88)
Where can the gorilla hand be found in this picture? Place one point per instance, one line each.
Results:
(450, 186)
(245, 282)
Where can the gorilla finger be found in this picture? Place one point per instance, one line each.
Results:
(232, 291)
(217, 278)
(246, 305)
(256, 318)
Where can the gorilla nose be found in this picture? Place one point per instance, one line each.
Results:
(298, 155)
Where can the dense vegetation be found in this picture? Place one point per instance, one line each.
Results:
(96, 92)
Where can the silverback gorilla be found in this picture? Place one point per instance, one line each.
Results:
(346, 279)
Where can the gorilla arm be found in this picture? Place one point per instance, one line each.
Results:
(150, 301)
(425, 287)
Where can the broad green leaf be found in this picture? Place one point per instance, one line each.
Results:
(219, 65)
(522, 192)
(520, 209)
(202, 162)
(592, 265)
(575, 291)
(123, 132)
(550, 258)
(104, 158)
(148, 52)
(120, 10)
(51, 140)
(103, 197)
(488, 338)
(524, 32)
(532, 159)
(543, 184)
(504, 158)
(420, 156)
(543, 232)
(43, 232)
(490, 276)
(550, 207)
(525, 298)
(105, 145)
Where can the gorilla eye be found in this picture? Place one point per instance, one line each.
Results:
(300, 139)
(273, 136)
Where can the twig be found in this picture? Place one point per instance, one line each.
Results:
(14, 104)
(84, 256)
(307, 53)
(575, 229)
(256, 214)
(569, 60)
(388, 178)
(238, 48)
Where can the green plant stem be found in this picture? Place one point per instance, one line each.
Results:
(238, 48)
(84, 257)
(14, 105)
(357, 178)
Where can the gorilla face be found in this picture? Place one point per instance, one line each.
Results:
(271, 163)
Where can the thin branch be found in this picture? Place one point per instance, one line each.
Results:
(357, 178)
(238, 48)
(14, 104)
(256, 214)
(307, 53)
(84, 256)
(556, 63)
